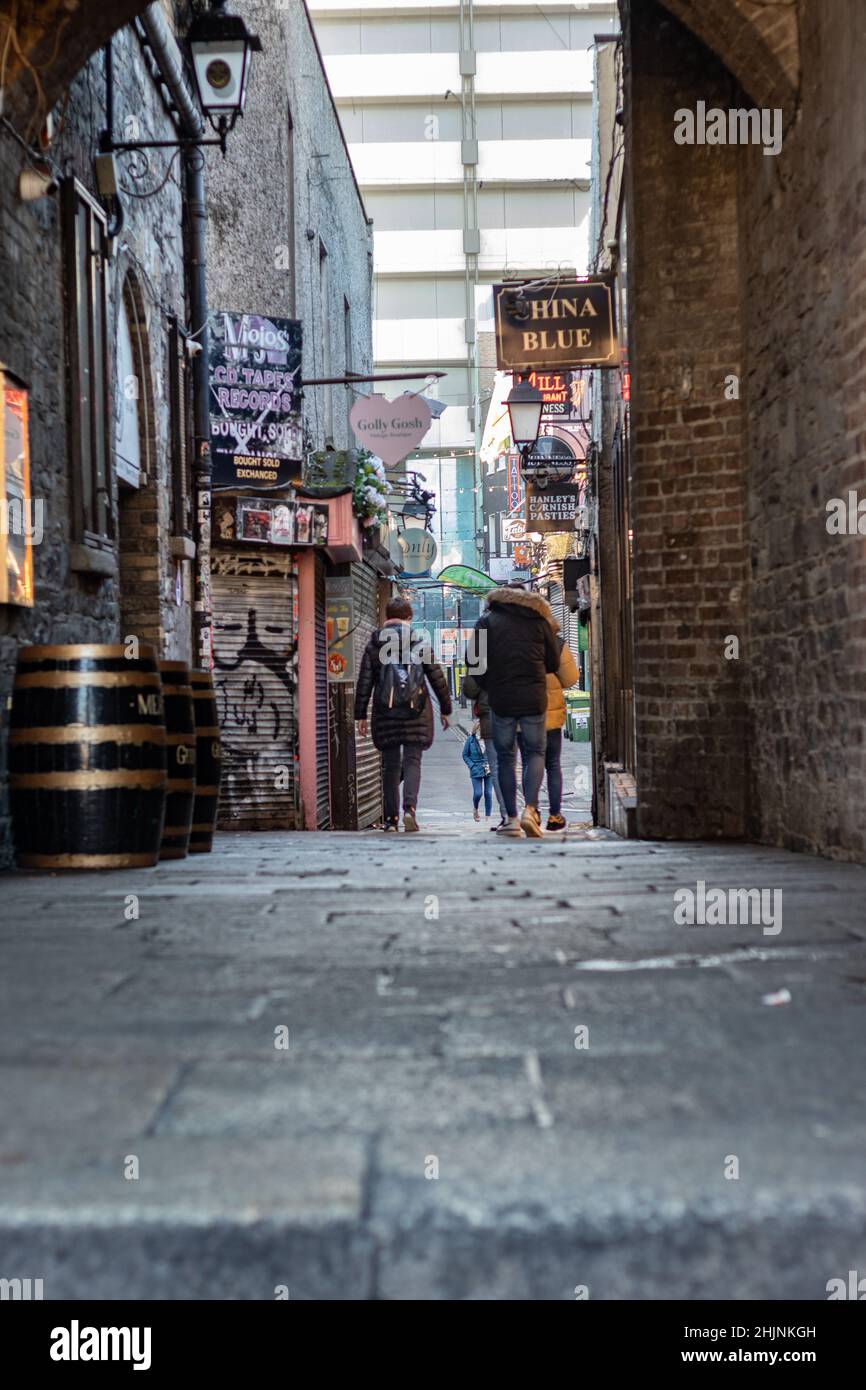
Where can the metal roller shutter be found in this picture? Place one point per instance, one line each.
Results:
(323, 769)
(255, 677)
(368, 767)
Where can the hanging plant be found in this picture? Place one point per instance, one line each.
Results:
(328, 472)
(370, 490)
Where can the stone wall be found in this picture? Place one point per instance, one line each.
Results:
(71, 606)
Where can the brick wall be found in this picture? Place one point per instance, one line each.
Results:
(803, 229)
(690, 553)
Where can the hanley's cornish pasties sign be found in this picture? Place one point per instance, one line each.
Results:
(255, 425)
(570, 324)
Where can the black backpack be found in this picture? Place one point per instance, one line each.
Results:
(402, 688)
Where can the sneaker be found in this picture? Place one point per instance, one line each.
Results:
(391, 825)
(556, 822)
(511, 827)
(530, 823)
(409, 822)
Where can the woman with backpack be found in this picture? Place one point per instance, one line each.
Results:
(479, 770)
(395, 671)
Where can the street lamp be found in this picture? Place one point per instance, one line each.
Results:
(219, 47)
(525, 404)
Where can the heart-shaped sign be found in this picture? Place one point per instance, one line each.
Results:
(390, 429)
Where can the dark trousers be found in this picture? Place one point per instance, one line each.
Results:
(401, 764)
(485, 785)
(552, 766)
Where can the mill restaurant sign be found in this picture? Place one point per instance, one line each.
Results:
(570, 324)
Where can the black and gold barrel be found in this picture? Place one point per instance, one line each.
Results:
(180, 759)
(87, 757)
(208, 762)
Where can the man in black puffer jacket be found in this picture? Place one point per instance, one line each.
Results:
(516, 648)
(402, 712)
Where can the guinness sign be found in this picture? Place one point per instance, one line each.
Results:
(570, 324)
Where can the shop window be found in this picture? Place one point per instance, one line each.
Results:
(85, 245)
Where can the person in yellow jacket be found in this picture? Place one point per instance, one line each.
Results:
(561, 680)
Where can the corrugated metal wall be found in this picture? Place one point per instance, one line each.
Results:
(368, 765)
(255, 677)
(323, 773)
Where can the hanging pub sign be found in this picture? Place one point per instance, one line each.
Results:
(268, 522)
(256, 438)
(561, 392)
(553, 508)
(569, 324)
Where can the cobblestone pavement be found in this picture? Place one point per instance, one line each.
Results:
(436, 1066)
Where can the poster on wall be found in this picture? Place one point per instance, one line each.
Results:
(268, 522)
(256, 437)
(127, 432)
(339, 617)
(20, 516)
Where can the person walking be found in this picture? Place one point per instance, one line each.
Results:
(566, 675)
(516, 649)
(479, 770)
(481, 709)
(395, 670)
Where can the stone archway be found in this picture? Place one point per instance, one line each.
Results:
(758, 43)
(46, 42)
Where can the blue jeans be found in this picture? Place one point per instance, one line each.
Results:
(534, 732)
(485, 785)
(490, 751)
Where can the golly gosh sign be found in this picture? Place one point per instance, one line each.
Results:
(390, 429)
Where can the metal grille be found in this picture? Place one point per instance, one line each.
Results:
(323, 769)
(255, 677)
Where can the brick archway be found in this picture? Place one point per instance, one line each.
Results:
(50, 41)
(758, 42)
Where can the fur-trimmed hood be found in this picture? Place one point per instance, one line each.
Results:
(523, 598)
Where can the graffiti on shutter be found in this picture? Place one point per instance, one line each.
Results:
(255, 676)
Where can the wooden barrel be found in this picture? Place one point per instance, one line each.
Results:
(180, 759)
(208, 763)
(87, 758)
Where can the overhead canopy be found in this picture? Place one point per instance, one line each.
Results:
(465, 577)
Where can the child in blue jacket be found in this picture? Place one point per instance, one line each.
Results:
(479, 770)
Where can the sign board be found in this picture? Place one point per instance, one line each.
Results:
(569, 324)
(418, 551)
(390, 429)
(256, 438)
(340, 621)
(515, 529)
(552, 508)
(265, 521)
(127, 437)
(515, 492)
(558, 466)
(561, 392)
